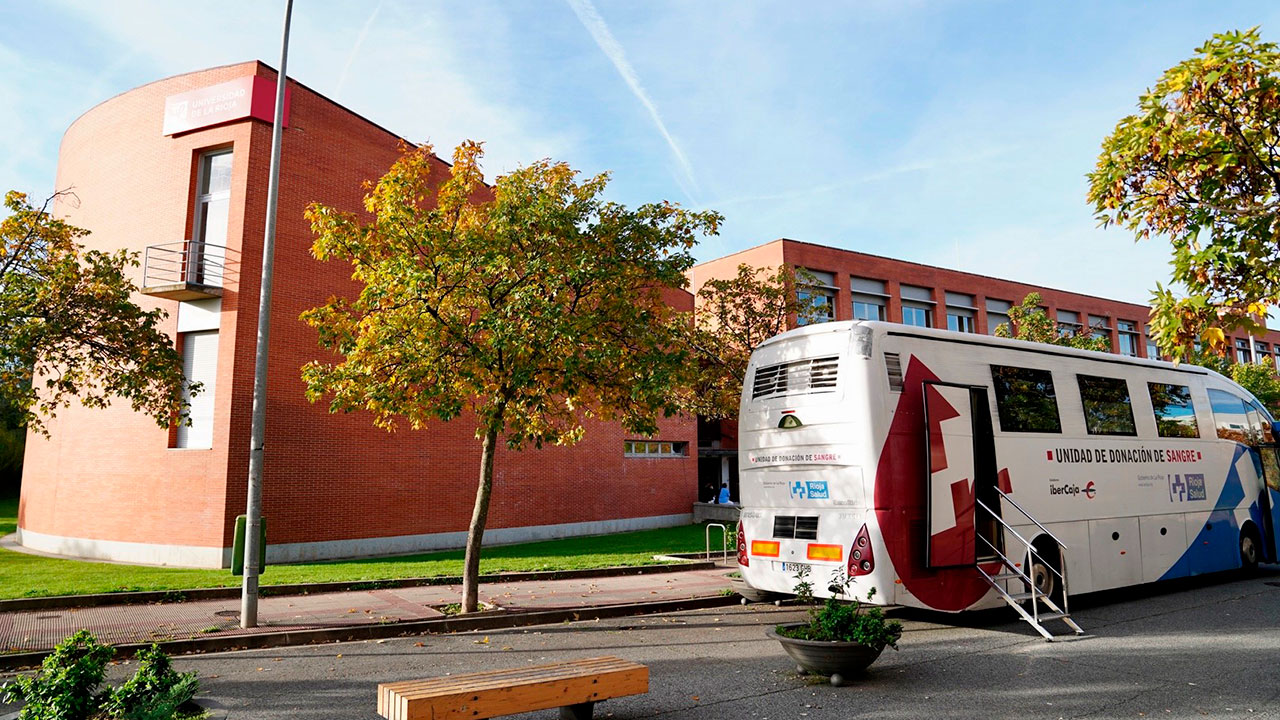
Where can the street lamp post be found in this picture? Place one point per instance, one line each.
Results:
(253, 509)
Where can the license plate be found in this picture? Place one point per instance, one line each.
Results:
(791, 567)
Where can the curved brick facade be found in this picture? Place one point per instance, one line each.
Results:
(108, 484)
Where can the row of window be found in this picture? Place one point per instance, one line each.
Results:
(655, 449)
(1027, 402)
(870, 299)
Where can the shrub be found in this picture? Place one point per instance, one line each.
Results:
(155, 692)
(67, 684)
(841, 621)
(66, 687)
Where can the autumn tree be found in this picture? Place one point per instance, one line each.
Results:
(528, 312)
(70, 329)
(1028, 321)
(1199, 164)
(734, 316)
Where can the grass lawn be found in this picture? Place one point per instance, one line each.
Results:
(23, 575)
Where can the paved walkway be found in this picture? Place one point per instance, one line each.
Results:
(121, 624)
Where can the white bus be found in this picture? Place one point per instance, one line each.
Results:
(954, 471)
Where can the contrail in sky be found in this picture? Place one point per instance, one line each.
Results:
(355, 49)
(586, 12)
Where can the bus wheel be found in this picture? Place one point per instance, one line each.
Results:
(1043, 578)
(1043, 569)
(1249, 550)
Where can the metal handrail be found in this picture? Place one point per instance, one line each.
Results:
(185, 261)
(1031, 553)
(1026, 515)
(724, 540)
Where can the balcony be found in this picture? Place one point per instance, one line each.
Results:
(185, 270)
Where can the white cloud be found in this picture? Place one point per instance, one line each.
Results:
(612, 49)
(413, 68)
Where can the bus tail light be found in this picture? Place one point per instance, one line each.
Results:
(765, 548)
(861, 561)
(742, 547)
(832, 553)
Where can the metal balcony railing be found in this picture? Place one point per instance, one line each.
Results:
(185, 270)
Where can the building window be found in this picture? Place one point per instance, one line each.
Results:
(1100, 327)
(1153, 350)
(199, 365)
(997, 314)
(1107, 408)
(918, 316)
(1263, 351)
(959, 323)
(655, 449)
(917, 306)
(1068, 323)
(817, 298)
(1242, 351)
(208, 249)
(1175, 414)
(1025, 399)
(1128, 337)
(960, 312)
(868, 298)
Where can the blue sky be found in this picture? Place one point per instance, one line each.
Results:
(951, 133)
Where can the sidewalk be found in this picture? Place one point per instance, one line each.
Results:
(215, 623)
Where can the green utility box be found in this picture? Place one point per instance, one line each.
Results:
(237, 547)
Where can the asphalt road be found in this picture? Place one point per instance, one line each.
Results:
(1209, 648)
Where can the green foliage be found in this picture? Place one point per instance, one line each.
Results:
(1261, 380)
(13, 443)
(1258, 378)
(837, 620)
(1198, 164)
(734, 316)
(25, 575)
(1030, 322)
(155, 692)
(66, 688)
(69, 327)
(529, 306)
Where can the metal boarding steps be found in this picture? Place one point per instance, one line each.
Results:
(1012, 572)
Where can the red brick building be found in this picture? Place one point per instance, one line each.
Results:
(177, 170)
(854, 285)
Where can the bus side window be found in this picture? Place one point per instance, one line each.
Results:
(1230, 416)
(1175, 414)
(1025, 400)
(1259, 424)
(1107, 407)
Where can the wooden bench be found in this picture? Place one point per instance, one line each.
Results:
(574, 687)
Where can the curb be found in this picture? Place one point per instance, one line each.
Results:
(66, 602)
(435, 626)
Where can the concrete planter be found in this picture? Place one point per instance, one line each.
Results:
(835, 659)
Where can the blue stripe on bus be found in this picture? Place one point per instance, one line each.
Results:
(1216, 546)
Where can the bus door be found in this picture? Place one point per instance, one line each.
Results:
(960, 466)
(1269, 498)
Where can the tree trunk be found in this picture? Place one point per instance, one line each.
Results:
(479, 516)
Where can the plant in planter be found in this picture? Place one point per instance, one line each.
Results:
(840, 638)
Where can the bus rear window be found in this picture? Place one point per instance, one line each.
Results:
(1175, 414)
(1107, 407)
(1025, 399)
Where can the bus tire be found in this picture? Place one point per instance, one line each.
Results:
(1043, 568)
(1250, 548)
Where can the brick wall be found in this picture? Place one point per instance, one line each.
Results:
(110, 475)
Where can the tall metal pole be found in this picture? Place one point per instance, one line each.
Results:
(253, 509)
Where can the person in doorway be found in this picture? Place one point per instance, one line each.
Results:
(723, 499)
